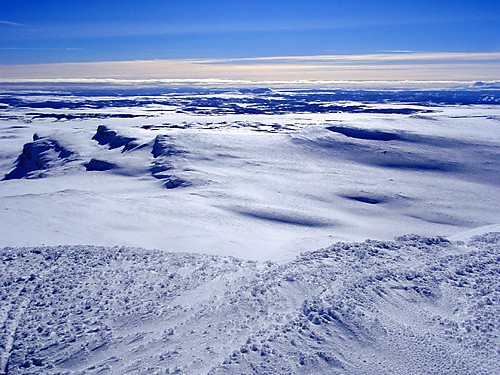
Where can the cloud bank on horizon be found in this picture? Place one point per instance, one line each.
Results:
(251, 40)
(373, 67)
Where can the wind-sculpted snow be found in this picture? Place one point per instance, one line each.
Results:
(163, 152)
(105, 136)
(372, 135)
(274, 215)
(416, 305)
(99, 165)
(39, 156)
(409, 151)
(311, 167)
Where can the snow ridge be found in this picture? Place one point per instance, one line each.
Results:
(416, 305)
(39, 156)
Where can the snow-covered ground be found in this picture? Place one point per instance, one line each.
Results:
(236, 190)
(417, 305)
(224, 174)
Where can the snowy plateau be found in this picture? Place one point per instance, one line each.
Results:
(251, 231)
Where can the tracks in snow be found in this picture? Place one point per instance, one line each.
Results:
(13, 314)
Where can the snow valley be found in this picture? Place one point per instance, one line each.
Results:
(237, 189)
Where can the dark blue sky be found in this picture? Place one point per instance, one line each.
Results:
(111, 30)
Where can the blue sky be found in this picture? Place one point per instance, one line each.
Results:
(50, 31)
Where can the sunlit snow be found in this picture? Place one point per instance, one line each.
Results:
(236, 190)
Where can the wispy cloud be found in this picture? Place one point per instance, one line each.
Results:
(113, 29)
(373, 67)
(408, 56)
(397, 51)
(10, 23)
(39, 49)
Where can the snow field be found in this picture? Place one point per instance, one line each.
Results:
(252, 194)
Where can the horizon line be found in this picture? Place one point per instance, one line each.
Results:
(232, 84)
(413, 66)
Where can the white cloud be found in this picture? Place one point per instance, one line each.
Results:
(380, 57)
(372, 67)
(2, 22)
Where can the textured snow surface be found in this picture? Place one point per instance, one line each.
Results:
(416, 305)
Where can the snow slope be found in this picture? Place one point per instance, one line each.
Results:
(416, 305)
(260, 176)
